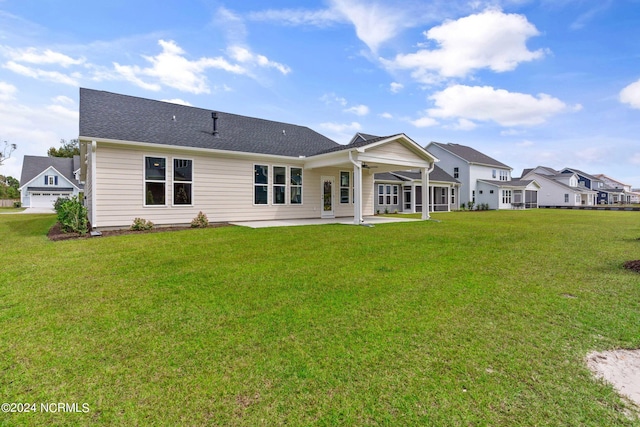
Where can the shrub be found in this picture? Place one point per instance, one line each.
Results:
(470, 205)
(72, 216)
(200, 221)
(462, 206)
(17, 204)
(386, 210)
(395, 211)
(141, 224)
(58, 203)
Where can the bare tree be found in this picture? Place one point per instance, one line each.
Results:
(6, 151)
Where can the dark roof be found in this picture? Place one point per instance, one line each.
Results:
(437, 174)
(32, 166)
(512, 183)
(469, 154)
(355, 144)
(358, 137)
(388, 176)
(109, 115)
(581, 173)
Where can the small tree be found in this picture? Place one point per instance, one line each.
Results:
(68, 149)
(6, 151)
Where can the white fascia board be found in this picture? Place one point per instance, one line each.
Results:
(228, 153)
(41, 174)
(335, 158)
(391, 161)
(413, 146)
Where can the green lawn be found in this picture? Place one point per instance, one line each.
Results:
(483, 318)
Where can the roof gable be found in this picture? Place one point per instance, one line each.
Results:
(35, 166)
(111, 116)
(470, 155)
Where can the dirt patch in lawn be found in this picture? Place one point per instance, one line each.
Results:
(620, 368)
(633, 265)
(55, 233)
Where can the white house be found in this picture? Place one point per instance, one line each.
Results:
(484, 180)
(560, 189)
(165, 162)
(44, 179)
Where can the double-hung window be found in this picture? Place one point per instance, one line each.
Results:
(155, 179)
(296, 185)
(456, 172)
(261, 184)
(279, 185)
(345, 186)
(182, 181)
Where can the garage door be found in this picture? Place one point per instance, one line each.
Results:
(46, 200)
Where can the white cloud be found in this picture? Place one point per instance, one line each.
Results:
(484, 103)
(358, 110)
(171, 68)
(7, 91)
(374, 22)
(340, 132)
(177, 101)
(631, 95)
(635, 159)
(36, 73)
(386, 115)
(71, 114)
(318, 18)
(491, 39)
(395, 87)
(330, 98)
(244, 55)
(525, 144)
(63, 100)
(465, 124)
(33, 55)
(424, 122)
(511, 132)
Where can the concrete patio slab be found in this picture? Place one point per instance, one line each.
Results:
(368, 220)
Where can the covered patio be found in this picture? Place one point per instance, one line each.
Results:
(367, 221)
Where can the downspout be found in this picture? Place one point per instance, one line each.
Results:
(357, 181)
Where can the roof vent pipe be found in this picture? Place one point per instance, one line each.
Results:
(214, 116)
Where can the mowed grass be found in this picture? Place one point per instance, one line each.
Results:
(483, 318)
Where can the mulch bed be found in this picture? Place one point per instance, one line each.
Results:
(55, 233)
(633, 265)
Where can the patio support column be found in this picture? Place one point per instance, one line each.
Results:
(425, 193)
(357, 190)
(448, 198)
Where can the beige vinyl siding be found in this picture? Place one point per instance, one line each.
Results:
(223, 189)
(394, 150)
(88, 185)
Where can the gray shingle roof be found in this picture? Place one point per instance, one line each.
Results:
(437, 174)
(471, 155)
(579, 172)
(512, 183)
(32, 166)
(127, 118)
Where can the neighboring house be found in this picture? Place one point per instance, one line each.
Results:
(401, 191)
(560, 189)
(166, 162)
(44, 179)
(605, 196)
(484, 180)
(619, 192)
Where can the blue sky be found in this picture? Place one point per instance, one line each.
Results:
(551, 82)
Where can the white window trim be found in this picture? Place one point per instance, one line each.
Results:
(173, 182)
(145, 180)
(290, 186)
(506, 197)
(274, 185)
(254, 185)
(349, 187)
